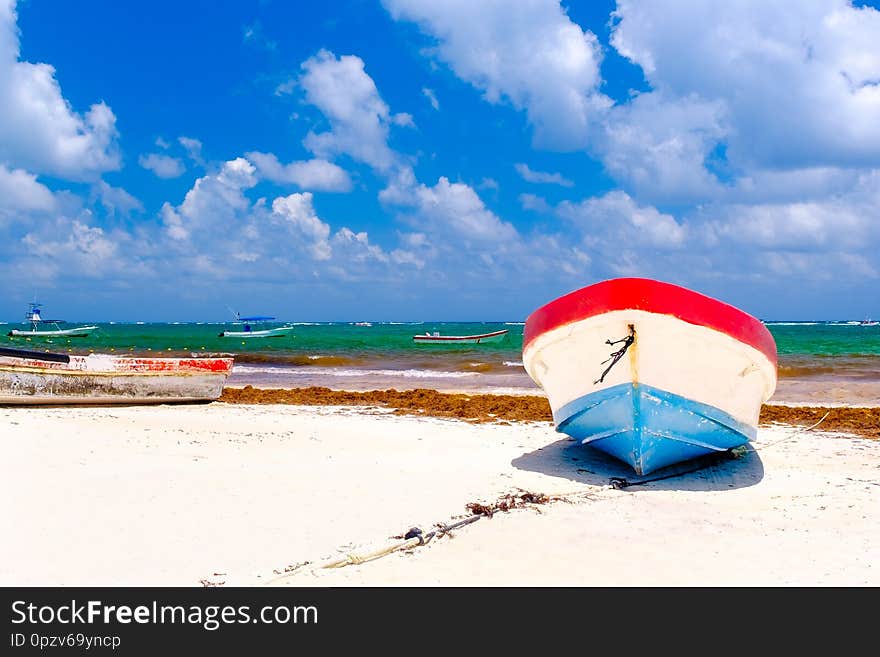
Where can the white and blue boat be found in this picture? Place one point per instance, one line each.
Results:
(35, 319)
(651, 373)
(248, 331)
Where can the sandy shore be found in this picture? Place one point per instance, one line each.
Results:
(242, 494)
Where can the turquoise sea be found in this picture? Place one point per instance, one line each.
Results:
(818, 361)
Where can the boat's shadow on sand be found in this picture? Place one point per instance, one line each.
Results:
(569, 459)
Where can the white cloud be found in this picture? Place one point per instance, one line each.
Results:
(432, 97)
(355, 248)
(215, 202)
(164, 166)
(616, 221)
(218, 221)
(116, 201)
(20, 191)
(285, 88)
(193, 149)
(532, 202)
(798, 81)
(359, 118)
(450, 208)
(528, 53)
(735, 92)
(315, 174)
(297, 211)
(40, 131)
(794, 185)
(658, 148)
(845, 222)
(540, 177)
(403, 119)
(72, 246)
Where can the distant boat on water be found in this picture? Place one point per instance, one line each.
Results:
(869, 322)
(482, 338)
(35, 319)
(44, 378)
(247, 331)
(651, 373)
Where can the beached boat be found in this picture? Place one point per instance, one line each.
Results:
(482, 338)
(247, 331)
(34, 318)
(651, 373)
(36, 377)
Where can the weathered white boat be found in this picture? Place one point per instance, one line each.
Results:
(36, 321)
(650, 373)
(43, 378)
(482, 338)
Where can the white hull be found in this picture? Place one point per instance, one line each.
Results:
(268, 333)
(80, 331)
(497, 336)
(694, 362)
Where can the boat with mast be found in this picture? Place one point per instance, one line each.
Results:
(247, 331)
(35, 319)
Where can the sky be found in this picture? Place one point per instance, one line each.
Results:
(414, 160)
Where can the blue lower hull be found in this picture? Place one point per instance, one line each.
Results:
(649, 428)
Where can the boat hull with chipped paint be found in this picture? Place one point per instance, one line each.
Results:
(691, 383)
(37, 378)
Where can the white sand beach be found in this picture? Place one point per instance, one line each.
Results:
(234, 494)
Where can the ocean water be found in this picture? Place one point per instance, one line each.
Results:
(835, 362)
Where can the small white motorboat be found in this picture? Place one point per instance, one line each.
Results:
(248, 331)
(34, 318)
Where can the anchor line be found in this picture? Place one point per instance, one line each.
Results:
(617, 355)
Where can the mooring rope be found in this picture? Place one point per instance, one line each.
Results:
(793, 434)
(702, 464)
(617, 355)
(414, 537)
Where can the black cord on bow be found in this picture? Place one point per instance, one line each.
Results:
(617, 355)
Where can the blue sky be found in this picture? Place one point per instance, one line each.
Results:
(416, 160)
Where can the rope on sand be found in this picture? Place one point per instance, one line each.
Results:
(415, 538)
(795, 433)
